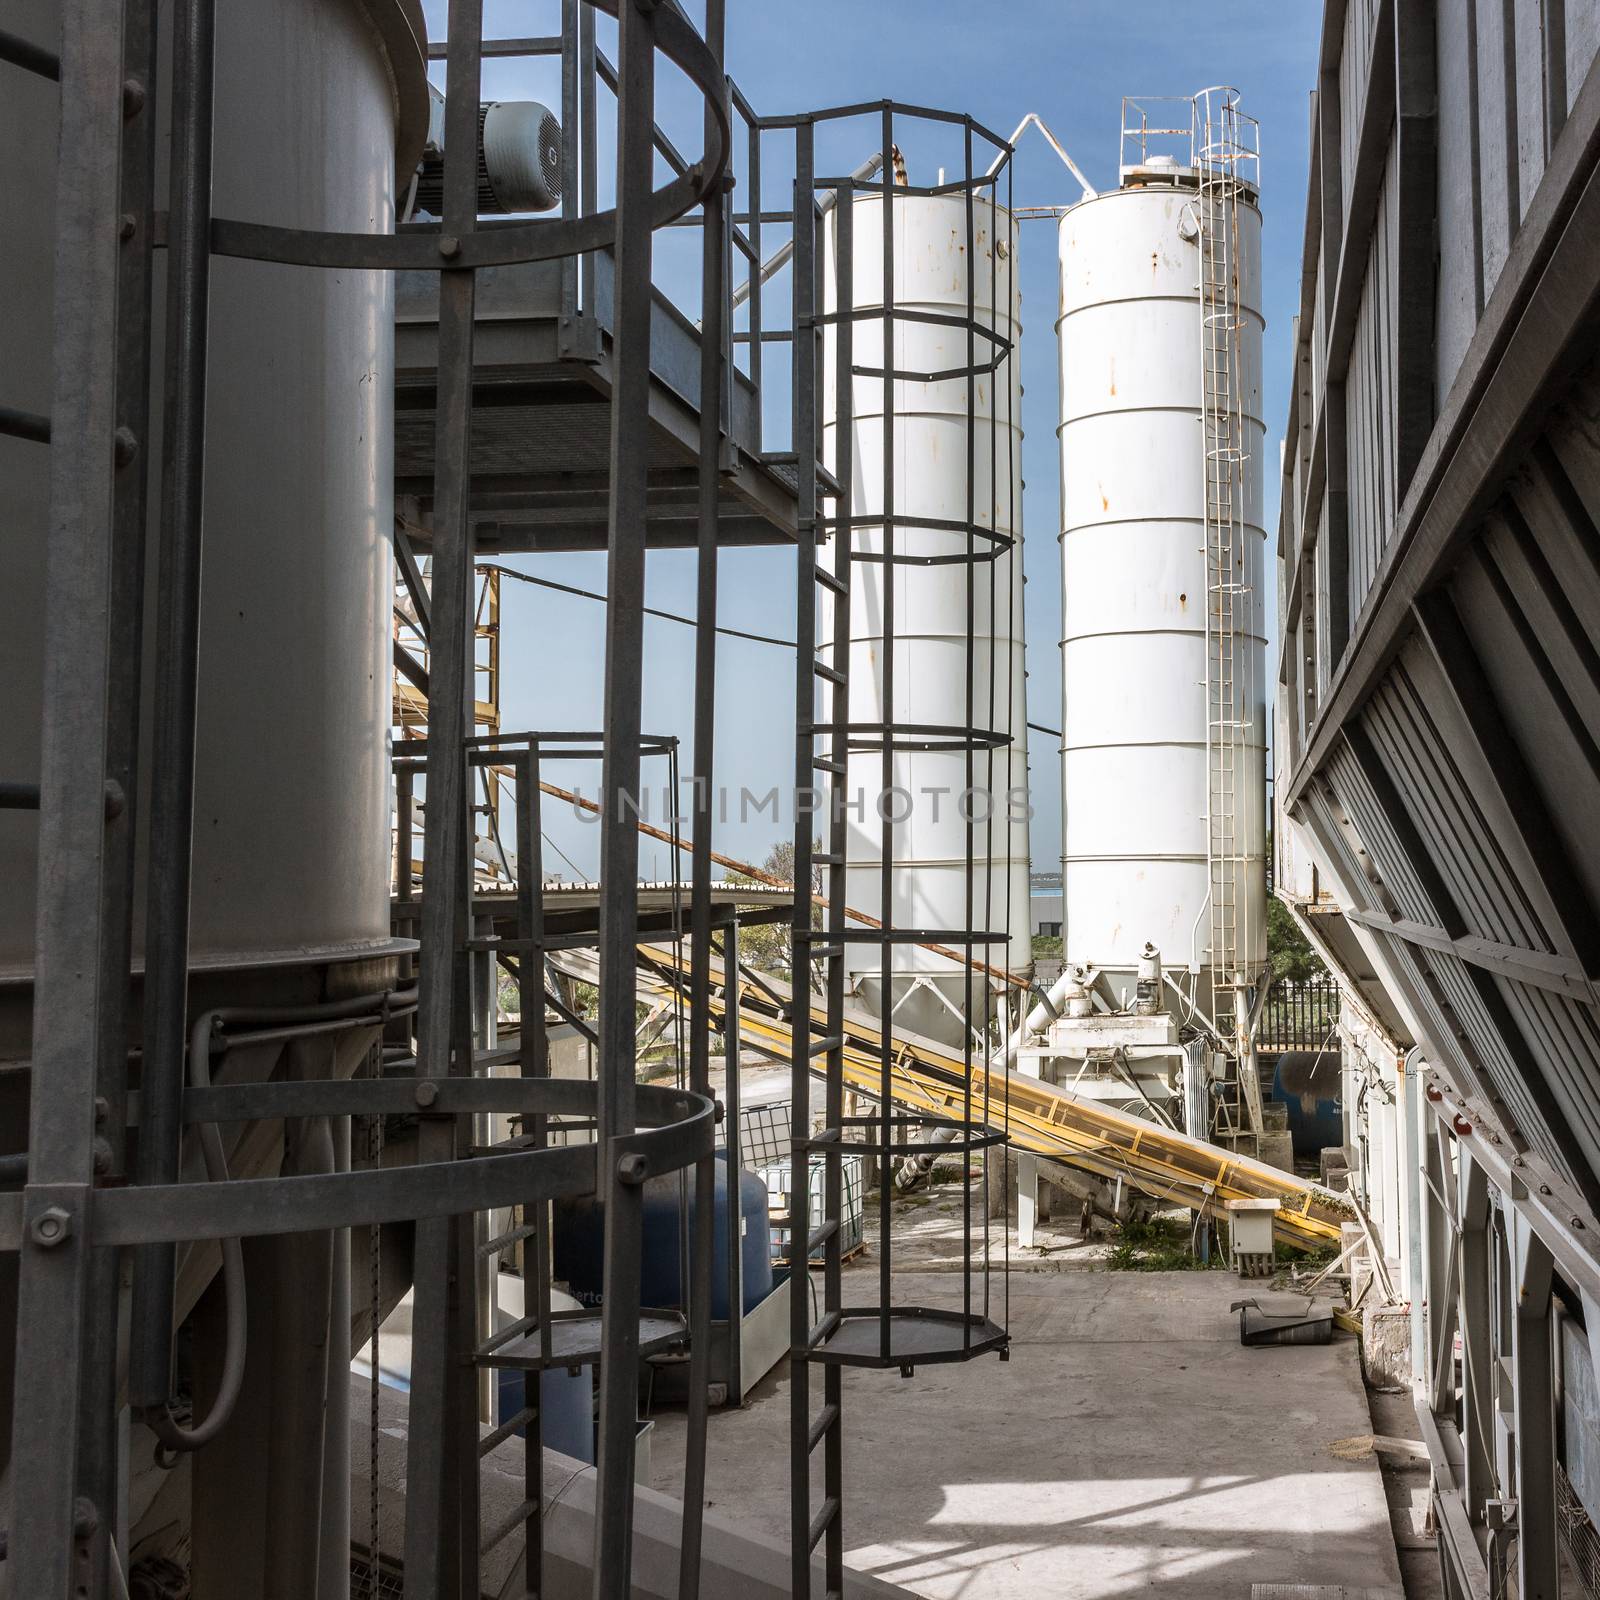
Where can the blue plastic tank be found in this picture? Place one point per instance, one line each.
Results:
(1308, 1083)
(579, 1248)
(566, 1408)
(566, 1399)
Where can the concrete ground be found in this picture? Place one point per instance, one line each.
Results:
(1406, 1482)
(1129, 1446)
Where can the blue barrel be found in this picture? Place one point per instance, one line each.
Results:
(1308, 1083)
(566, 1408)
(579, 1248)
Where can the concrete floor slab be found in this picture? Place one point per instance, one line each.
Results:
(1131, 1445)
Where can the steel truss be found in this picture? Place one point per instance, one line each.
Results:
(78, 1212)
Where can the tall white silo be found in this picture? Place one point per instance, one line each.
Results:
(930, 601)
(1145, 615)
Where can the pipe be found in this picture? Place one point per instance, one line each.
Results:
(1089, 190)
(173, 1435)
(333, 1579)
(177, 684)
(301, 1276)
(781, 257)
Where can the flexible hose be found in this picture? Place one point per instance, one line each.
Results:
(173, 1434)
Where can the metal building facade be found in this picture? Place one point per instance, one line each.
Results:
(1438, 727)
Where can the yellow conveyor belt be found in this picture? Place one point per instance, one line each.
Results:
(928, 1079)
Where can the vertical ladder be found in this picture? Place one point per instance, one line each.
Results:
(1220, 152)
(822, 1430)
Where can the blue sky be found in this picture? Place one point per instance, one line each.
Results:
(1069, 60)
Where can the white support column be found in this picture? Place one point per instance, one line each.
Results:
(1027, 1198)
(1533, 1370)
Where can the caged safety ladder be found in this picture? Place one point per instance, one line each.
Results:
(1226, 160)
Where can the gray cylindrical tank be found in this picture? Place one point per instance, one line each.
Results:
(315, 101)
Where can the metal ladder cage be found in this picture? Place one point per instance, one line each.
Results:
(410, 629)
(518, 763)
(885, 1335)
(1226, 163)
(541, 1339)
(77, 1212)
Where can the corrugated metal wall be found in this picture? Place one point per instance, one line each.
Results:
(1369, 399)
(1355, 59)
(1495, 104)
(1445, 744)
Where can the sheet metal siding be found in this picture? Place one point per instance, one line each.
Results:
(1464, 799)
(1413, 728)
(1370, 400)
(1459, 294)
(1583, 42)
(1484, 886)
(1438, 976)
(1394, 869)
(1496, 115)
(1563, 1037)
(1322, 589)
(1506, 1060)
(1529, 594)
(1419, 1002)
(1492, 145)
(1360, 19)
(1529, 149)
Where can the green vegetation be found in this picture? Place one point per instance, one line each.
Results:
(1288, 953)
(1160, 1244)
(1047, 945)
(767, 946)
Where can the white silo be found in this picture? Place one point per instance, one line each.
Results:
(1163, 644)
(930, 439)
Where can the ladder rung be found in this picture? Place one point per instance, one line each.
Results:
(826, 952)
(827, 858)
(829, 579)
(825, 1419)
(824, 1330)
(822, 1235)
(821, 1522)
(828, 764)
(490, 1246)
(490, 1440)
(504, 1336)
(832, 1042)
(830, 674)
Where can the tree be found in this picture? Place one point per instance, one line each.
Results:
(1289, 953)
(767, 946)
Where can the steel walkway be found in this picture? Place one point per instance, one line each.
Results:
(927, 1079)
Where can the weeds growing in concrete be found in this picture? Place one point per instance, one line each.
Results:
(1159, 1244)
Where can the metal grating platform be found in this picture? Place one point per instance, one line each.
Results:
(918, 1336)
(575, 1342)
(541, 421)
